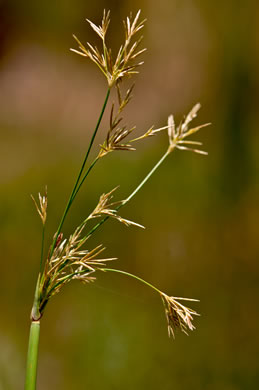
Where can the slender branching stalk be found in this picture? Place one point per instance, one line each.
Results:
(177, 315)
(74, 191)
(67, 258)
(134, 192)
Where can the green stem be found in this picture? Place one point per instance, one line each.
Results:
(74, 191)
(146, 178)
(32, 357)
(84, 177)
(35, 312)
(42, 247)
(132, 276)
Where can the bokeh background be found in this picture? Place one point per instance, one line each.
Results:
(201, 214)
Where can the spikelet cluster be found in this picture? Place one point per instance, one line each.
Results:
(67, 262)
(107, 208)
(42, 207)
(178, 316)
(124, 64)
(117, 133)
(178, 134)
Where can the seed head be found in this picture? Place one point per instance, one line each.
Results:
(69, 261)
(125, 64)
(116, 134)
(42, 207)
(106, 208)
(178, 316)
(177, 135)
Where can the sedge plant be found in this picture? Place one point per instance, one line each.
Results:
(70, 258)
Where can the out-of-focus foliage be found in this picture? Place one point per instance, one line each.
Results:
(201, 213)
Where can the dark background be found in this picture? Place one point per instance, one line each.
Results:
(201, 213)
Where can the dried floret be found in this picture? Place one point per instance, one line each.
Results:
(124, 65)
(178, 316)
(42, 207)
(177, 135)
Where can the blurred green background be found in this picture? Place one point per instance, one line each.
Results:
(201, 213)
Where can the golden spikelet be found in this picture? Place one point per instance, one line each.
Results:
(178, 316)
(42, 207)
(106, 208)
(177, 135)
(125, 64)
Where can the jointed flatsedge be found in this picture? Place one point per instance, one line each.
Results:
(73, 258)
